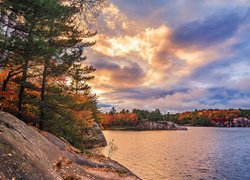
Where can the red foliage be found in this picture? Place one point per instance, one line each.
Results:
(215, 116)
(118, 119)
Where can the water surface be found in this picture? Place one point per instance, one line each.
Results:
(199, 153)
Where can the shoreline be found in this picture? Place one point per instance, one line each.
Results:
(134, 129)
(148, 126)
(28, 153)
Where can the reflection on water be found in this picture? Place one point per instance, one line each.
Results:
(199, 153)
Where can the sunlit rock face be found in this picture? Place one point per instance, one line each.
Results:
(27, 153)
(24, 153)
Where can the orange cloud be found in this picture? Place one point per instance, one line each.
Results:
(136, 58)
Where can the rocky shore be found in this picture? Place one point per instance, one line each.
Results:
(159, 125)
(150, 126)
(27, 153)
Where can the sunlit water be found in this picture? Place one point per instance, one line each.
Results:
(199, 153)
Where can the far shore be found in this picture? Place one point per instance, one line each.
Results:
(130, 128)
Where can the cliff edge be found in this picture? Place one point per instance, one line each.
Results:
(27, 153)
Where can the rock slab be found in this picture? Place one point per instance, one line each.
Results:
(159, 125)
(27, 153)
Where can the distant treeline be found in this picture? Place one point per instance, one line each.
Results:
(210, 117)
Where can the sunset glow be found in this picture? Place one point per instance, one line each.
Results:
(148, 53)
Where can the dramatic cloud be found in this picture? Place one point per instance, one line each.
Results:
(120, 76)
(149, 56)
(212, 30)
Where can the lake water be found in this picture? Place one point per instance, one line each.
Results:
(199, 153)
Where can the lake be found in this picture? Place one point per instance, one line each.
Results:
(199, 153)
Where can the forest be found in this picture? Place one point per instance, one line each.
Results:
(43, 74)
(210, 117)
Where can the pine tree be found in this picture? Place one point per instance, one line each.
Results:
(69, 51)
(49, 36)
(27, 41)
(79, 77)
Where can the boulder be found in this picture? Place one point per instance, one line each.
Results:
(93, 137)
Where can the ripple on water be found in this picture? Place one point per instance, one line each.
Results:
(199, 153)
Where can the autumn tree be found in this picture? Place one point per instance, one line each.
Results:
(26, 41)
(68, 45)
(49, 36)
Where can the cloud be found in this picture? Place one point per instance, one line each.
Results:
(113, 22)
(240, 83)
(117, 75)
(143, 93)
(198, 59)
(139, 8)
(104, 105)
(106, 65)
(154, 51)
(175, 100)
(213, 29)
(176, 12)
(230, 73)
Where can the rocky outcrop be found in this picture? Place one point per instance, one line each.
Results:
(27, 153)
(159, 125)
(238, 122)
(93, 137)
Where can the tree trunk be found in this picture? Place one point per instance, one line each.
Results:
(6, 81)
(25, 66)
(22, 88)
(43, 90)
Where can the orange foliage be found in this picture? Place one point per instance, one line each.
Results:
(118, 119)
(84, 118)
(8, 98)
(215, 116)
(3, 75)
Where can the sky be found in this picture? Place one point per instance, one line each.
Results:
(173, 55)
